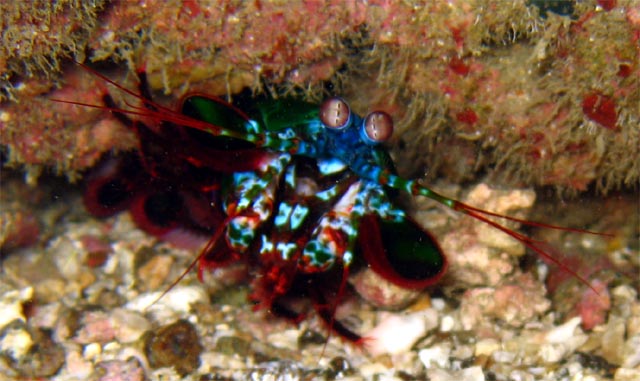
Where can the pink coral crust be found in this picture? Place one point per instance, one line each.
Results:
(525, 90)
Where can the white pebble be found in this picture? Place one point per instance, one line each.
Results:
(503, 356)
(564, 332)
(447, 323)
(397, 333)
(76, 367)
(285, 339)
(438, 304)
(436, 356)
(626, 374)
(632, 352)
(562, 340)
(128, 325)
(486, 347)
(91, 351)
(521, 375)
(11, 305)
(16, 342)
(179, 299)
(112, 347)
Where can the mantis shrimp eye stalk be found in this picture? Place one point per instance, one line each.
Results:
(377, 127)
(335, 113)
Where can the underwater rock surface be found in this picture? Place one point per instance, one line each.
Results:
(531, 93)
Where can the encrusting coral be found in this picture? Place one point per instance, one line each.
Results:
(526, 92)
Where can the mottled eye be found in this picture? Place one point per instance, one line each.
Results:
(335, 113)
(378, 127)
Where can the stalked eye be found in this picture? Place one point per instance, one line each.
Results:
(335, 113)
(378, 127)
